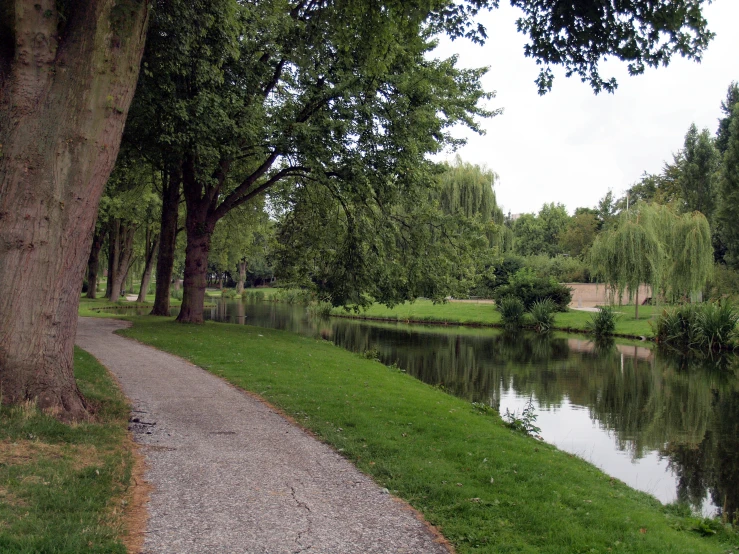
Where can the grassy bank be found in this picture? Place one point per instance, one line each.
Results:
(63, 488)
(484, 313)
(488, 488)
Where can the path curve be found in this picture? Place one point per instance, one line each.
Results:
(231, 475)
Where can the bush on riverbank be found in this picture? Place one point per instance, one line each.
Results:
(709, 326)
(530, 288)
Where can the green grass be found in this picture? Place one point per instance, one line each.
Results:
(469, 313)
(62, 487)
(96, 307)
(488, 488)
(268, 292)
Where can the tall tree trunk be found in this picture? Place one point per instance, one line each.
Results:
(196, 267)
(64, 97)
(151, 249)
(167, 241)
(125, 258)
(242, 278)
(199, 225)
(93, 263)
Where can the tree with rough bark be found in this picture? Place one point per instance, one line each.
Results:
(68, 71)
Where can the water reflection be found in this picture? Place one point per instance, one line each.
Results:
(666, 425)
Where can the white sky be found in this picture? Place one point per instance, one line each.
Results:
(571, 146)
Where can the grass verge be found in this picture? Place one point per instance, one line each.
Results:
(63, 488)
(484, 313)
(488, 488)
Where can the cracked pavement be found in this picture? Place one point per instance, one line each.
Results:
(231, 475)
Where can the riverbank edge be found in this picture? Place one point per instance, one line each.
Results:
(305, 375)
(482, 325)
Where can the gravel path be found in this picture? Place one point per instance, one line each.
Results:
(231, 475)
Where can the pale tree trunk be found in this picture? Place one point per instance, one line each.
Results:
(167, 241)
(151, 249)
(64, 97)
(93, 264)
(125, 258)
(242, 278)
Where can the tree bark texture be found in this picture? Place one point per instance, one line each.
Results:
(93, 264)
(199, 225)
(152, 245)
(199, 233)
(167, 241)
(64, 97)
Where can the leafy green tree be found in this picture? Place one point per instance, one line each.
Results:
(728, 210)
(355, 252)
(539, 234)
(650, 244)
(579, 234)
(607, 209)
(728, 108)
(698, 168)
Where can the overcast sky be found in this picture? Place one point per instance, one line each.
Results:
(571, 146)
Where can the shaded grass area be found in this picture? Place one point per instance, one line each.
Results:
(63, 487)
(488, 488)
(484, 313)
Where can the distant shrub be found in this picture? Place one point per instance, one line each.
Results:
(320, 309)
(293, 296)
(603, 322)
(228, 293)
(560, 268)
(542, 314)
(253, 295)
(528, 287)
(511, 311)
(176, 294)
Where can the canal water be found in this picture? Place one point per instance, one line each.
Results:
(662, 424)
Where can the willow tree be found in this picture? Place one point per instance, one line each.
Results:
(651, 244)
(467, 190)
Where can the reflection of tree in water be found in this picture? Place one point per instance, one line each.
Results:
(686, 410)
(711, 464)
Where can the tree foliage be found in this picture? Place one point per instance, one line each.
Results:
(578, 35)
(650, 244)
(540, 234)
(728, 211)
(698, 166)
